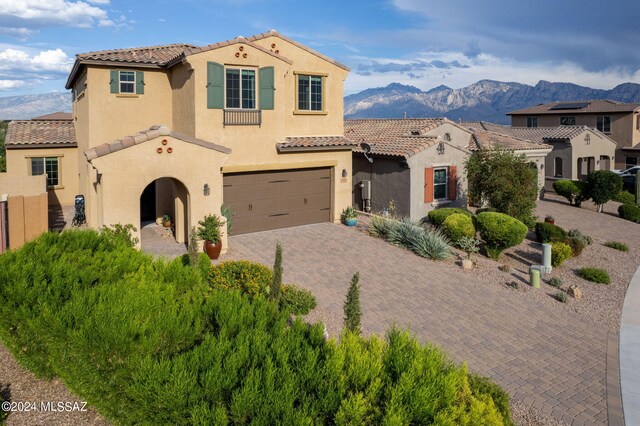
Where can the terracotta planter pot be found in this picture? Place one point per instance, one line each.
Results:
(551, 221)
(166, 224)
(212, 250)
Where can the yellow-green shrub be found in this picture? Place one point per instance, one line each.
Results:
(559, 253)
(458, 225)
(249, 277)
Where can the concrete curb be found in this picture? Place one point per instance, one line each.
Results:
(630, 352)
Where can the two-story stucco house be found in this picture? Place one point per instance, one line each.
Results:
(617, 120)
(255, 123)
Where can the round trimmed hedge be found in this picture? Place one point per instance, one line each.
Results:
(573, 191)
(438, 216)
(559, 253)
(500, 231)
(629, 212)
(458, 225)
(548, 232)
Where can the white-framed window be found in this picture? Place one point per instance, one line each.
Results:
(240, 86)
(440, 178)
(48, 165)
(568, 121)
(603, 123)
(127, 81)
(532, 121)
(310, 92)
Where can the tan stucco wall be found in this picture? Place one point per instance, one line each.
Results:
(127, 172)
(539, 159)
(18, 164)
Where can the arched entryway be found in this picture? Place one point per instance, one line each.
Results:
(165, 196)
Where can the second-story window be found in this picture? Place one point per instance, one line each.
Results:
(567, 121)
(603, 123)
(532, 121)
(127, 81)
(240, 88)
(310, 93)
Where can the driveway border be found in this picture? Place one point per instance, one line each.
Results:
(630, 351)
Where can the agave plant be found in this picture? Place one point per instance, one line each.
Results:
(379, 227)
(432, 244)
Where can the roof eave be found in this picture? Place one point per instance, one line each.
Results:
(284, 149)
(41, 146)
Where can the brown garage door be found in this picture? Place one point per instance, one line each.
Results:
(271, 200)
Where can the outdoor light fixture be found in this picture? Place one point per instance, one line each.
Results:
(344, 173)
(207, 191)
(440, 148)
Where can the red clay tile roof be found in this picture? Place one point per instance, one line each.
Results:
(40, 134)
(146, 135)
(593, 106)
(155, 55)
(484, 139)
(301, 143)
(534, 134)
(55, 116)
(393, 137)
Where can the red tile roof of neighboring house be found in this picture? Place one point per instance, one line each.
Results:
(55, 116)
(573, 107)
(534, 134)
(484, 139)
(40, 134)
(303, 143)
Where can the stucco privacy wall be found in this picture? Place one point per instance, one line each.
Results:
(18, 164)
(190, 164)
(27, 207)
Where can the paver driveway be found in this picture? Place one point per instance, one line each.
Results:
(548, 359)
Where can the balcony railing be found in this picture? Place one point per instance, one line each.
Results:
(242, 117)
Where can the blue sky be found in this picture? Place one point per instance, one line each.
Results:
(424, 43)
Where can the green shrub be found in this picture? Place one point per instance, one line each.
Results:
(456, 226)
(624, 197)
(602, 186)
(559, 253)
(432, 244)
(300, 301)
(575, 233)
(482, 386)
(500, 231)
(617, 245)
(438, 216)
(403, 232)
(555, 282)
(547, 232)
(595, 275)
(561, 297)
(249, 277)
(577, 245)
(352, 309)
(629, 212)
(379, 227)
(574, 191)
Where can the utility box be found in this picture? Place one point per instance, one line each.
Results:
(365, 185)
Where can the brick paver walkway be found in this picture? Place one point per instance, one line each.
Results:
(545, 358)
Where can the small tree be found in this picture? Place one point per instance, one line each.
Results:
(276, 283)
(602, 186)
(352, 311)
(193, 247)
(504, 181)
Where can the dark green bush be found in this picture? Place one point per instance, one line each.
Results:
(629, 212)
(595, 275)
(561, 297)
(559, 253)
(575, 233)
(547, 232)
(500, 231)
(624, 197)
(617, 245)
(456, 226)
(299, 300)
(574, 191)
(151, 342)
(577, 245)
(602, 186)
(249, 277)
(555, 282)
(438, 216)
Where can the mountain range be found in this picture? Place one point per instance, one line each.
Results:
(487, 100)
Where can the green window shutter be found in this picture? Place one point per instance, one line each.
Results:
(114, 83)
(215, 85)
(266, 88)
(139, 83)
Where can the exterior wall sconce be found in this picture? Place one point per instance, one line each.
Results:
(344, 173)
(206, 190)
(541, 166)
(440, 148)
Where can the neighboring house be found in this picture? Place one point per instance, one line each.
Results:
(577, 150)
(619, 121)
(416, 163)
(255, 123)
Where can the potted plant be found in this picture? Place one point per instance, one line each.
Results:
(468, 245)
(209, 231)
(166, 221)
(349, 216)
(550, 219)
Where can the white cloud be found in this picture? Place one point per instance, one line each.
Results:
(20, 65)
(12, 84)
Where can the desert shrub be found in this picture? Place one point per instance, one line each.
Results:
(555, 282)
(561, 297)
(432, 244)
(617, 245)
(629, 212)
(573, 191)
(403, 232)
(249, 277)
(575, 233)
(602, 186)
(351, 307)
(595, 275)
(300, 301)
(624, 197)
(559, 253)
(456, 226)
(438, 216)
(481, 385)
(547, 232)
(500, 231)
(150, 342)
(380, 227)
(275, 285)
(577, 245)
